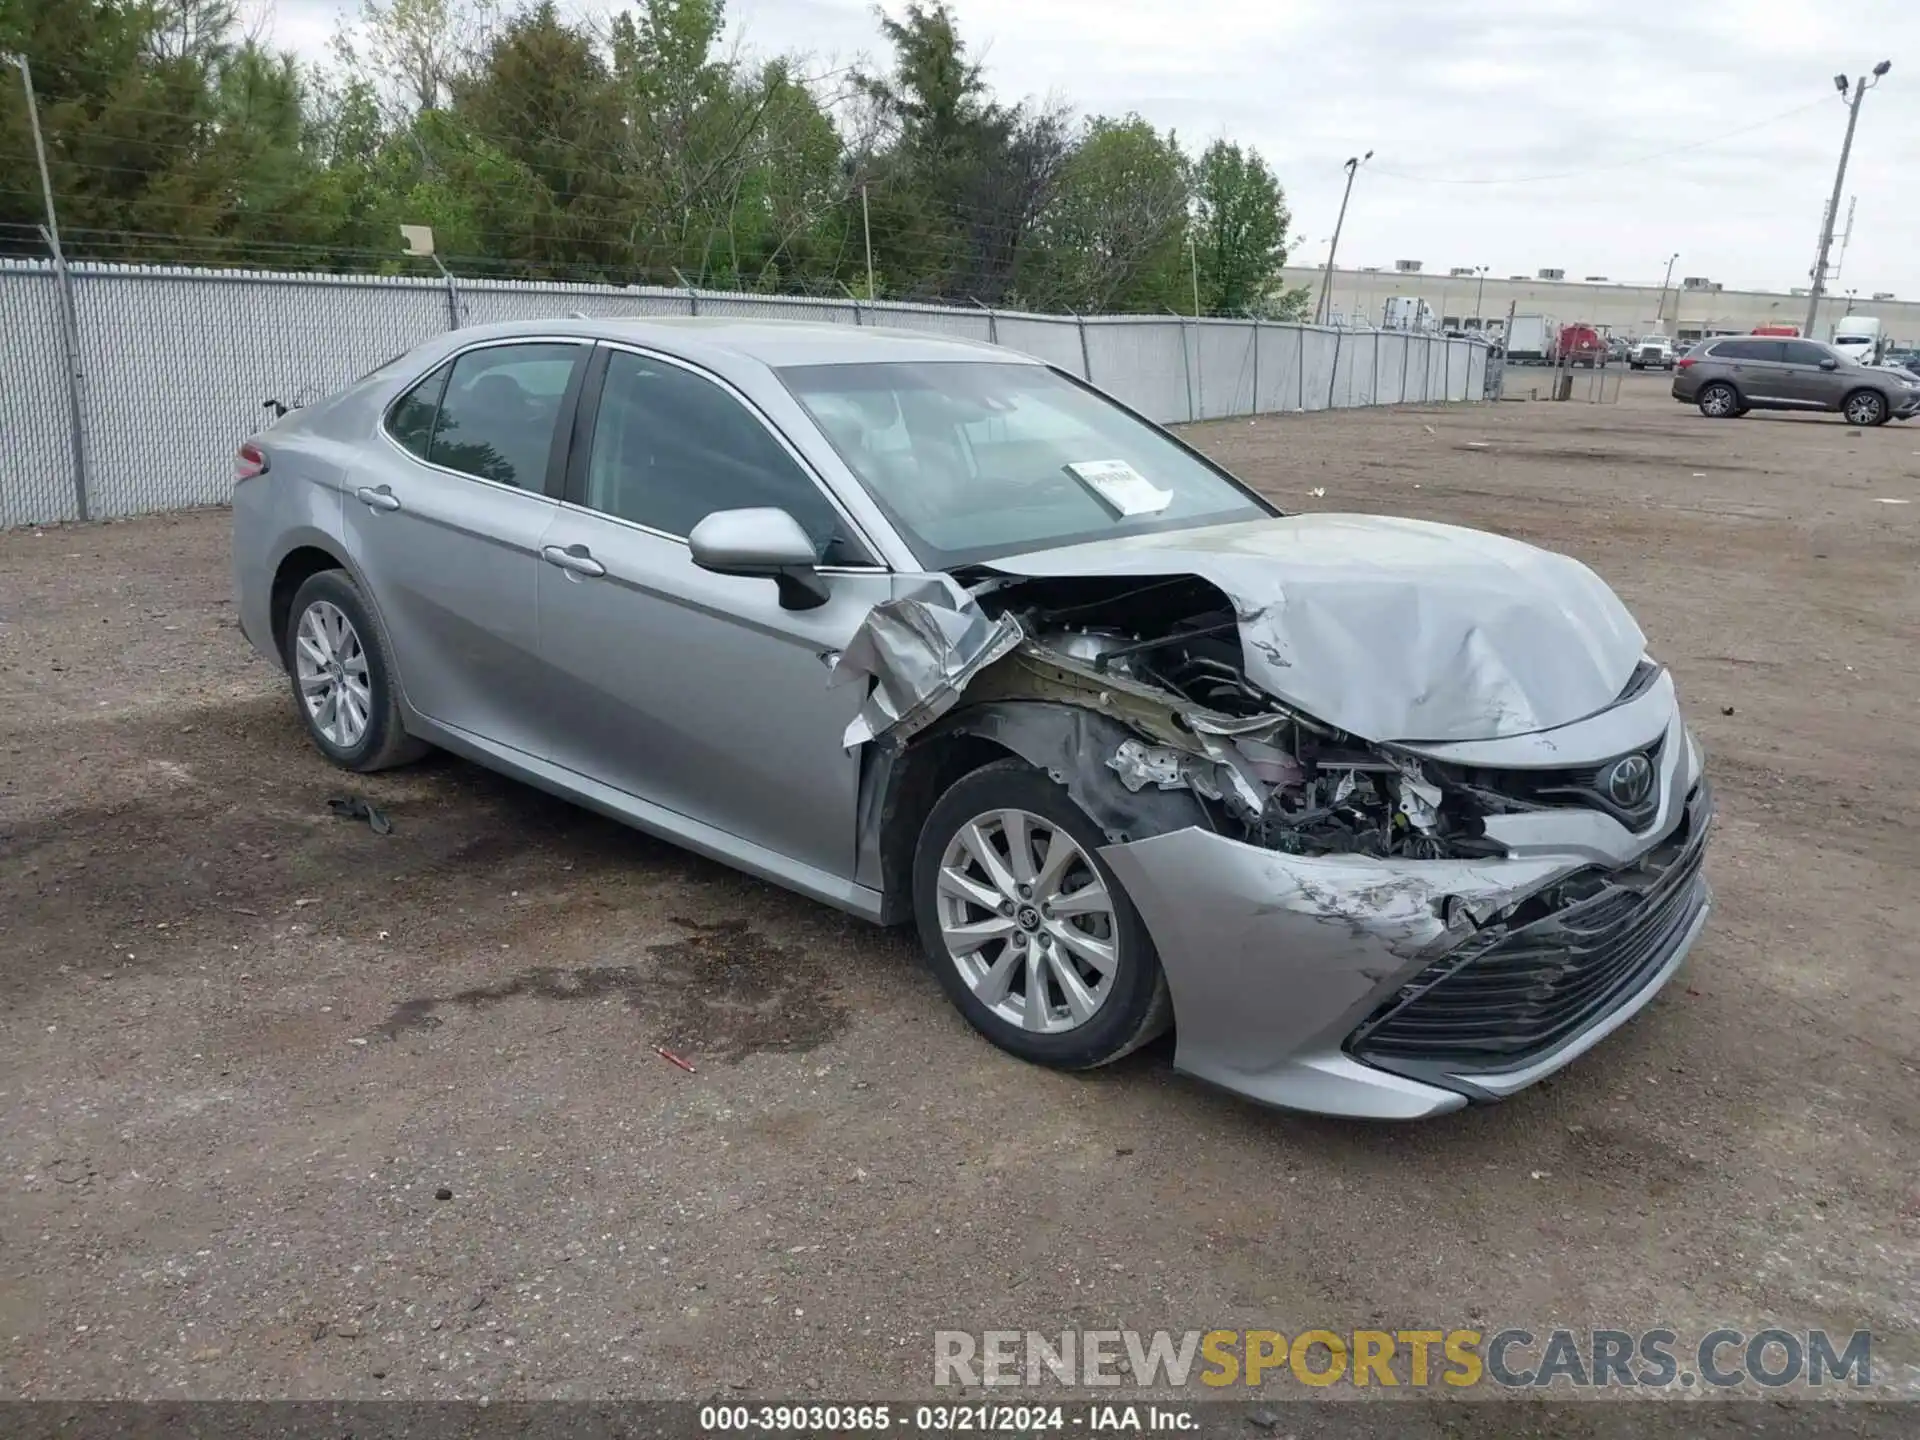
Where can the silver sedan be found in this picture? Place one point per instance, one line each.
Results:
(1382, 816)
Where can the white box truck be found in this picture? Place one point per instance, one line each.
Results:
(1862, 337)
(1530, 340)
(1406, 312)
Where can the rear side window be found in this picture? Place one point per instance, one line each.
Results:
(1747, 350)
(410, 421)
(501, 408)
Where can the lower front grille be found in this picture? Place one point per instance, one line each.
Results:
(1503, 999)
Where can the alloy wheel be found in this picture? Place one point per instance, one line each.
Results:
(1864, 409)
(1027, 921)
(1718, 401)
(331, 666)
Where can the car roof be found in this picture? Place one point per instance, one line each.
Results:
(715, 341)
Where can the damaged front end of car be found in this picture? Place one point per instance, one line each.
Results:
(1357, 925)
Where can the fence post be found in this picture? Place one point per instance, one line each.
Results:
(993, 323)
(1406, 359)
(1300, 370)
(1086, 357)
(1186, 363)
(453, 294)
(1376, 367)
(693, 295)
(76, 407)
(1254, 407)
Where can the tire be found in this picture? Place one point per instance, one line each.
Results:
(1718, 401)
(1865, 407)
(323, 659)
(1633, 366)
(1133, 1008)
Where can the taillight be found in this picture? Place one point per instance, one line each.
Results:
(1683, 362)
(250, 461)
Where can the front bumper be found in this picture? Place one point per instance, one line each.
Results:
(1397, 989)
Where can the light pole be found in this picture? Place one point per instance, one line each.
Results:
(70, 325)
(19, 62)
(1860, 89)
(1479, 294)
(1660, 310)
(1354, 162)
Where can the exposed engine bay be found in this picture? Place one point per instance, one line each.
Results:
(1164, 658)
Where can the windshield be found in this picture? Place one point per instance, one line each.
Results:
(971, 460)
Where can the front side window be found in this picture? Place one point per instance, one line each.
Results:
(670, 448)
(501, 408)
(973, 459)
(1802, 352)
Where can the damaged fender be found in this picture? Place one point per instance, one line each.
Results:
(1073, 747)
(919, 655)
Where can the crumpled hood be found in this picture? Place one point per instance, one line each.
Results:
(1395, 629)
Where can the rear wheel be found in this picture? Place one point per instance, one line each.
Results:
(1027, 931)
(1865, 407)
(343, 681)
(1718, 401)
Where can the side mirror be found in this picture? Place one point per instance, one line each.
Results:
(1827, 362)
(766, 543)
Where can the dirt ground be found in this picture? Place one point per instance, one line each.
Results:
(244, 1045)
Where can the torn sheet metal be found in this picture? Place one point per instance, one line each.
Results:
(919, 655)
(1394, 629)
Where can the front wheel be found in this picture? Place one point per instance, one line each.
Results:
(1718, 401)
(1865, 407)
(1027, 930)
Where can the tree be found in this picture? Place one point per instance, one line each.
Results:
(413, 52)
(1113, 235)
(964, 179)
(633, 149)
(1239, 228)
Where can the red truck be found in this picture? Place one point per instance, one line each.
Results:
(1581, 345)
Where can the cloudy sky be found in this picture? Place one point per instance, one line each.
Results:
(1511, 133)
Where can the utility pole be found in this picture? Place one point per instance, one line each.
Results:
(1193, 256)
(69, 319)
(1479, 294)
(1354, 162)
(1660, 310)
(1860, 89)
(866, 229)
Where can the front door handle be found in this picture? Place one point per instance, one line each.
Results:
(381, 499)
(575, 558)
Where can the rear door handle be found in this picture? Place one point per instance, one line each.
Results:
(381, 499)
(576, 558)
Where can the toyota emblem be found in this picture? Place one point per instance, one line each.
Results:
(1629, 781)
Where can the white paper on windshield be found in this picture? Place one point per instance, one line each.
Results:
(1119, 486)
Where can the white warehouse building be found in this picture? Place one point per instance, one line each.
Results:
(1689, 309)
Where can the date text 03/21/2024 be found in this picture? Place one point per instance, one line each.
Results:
(965, 1418)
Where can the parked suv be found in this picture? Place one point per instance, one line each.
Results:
(1738, 373)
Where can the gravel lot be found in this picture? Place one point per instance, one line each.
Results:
(244, 1044)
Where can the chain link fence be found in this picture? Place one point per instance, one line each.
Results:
(171, 368)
